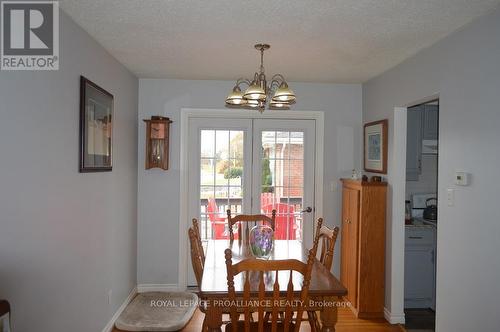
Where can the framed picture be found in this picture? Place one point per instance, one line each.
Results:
(96, 127)
(375, 147)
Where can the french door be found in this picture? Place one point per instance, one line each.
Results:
(252, 166)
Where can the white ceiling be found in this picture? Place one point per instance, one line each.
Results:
(341, 41)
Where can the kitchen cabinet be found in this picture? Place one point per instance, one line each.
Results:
(420, 267)
(414, 143)
(430, 122)
(362, 265)
(422, 124)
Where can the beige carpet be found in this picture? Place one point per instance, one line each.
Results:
(158, 311)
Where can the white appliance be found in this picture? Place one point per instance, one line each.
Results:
(430, 146)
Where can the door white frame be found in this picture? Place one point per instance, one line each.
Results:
(187, 113)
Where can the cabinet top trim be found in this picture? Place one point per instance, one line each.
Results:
(363, 183)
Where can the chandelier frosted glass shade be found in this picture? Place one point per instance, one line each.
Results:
(255, 92)
(284, 94)
(235, 97)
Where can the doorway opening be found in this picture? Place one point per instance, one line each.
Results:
(422, 151)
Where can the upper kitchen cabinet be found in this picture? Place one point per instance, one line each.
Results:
(430, 124)
(414, 143)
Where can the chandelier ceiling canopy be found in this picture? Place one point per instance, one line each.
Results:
(276, 94)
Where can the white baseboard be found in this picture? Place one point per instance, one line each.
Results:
(394, 318)
(141, 288)
(111, 323)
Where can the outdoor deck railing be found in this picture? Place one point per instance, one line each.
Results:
(235, 205)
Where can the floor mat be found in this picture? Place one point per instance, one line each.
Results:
(158, 311)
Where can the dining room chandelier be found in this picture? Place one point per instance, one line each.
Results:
(276, 94)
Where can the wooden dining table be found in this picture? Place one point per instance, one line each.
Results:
(325, 291)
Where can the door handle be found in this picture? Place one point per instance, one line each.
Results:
(308, 210)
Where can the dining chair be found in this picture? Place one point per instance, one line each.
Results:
(196, 228)
(246, 218)
(196, 255)
(198, 262)
(262, 293)
(327, 238)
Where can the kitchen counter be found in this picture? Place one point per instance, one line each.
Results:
(421, 223)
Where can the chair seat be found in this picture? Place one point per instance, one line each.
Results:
(254, 326)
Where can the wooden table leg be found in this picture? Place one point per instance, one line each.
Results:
(214, 317)
(329, 315)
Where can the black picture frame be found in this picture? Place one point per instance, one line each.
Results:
(96, 128)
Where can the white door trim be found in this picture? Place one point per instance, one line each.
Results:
(397, 180)
(395, 314)
(187, 113)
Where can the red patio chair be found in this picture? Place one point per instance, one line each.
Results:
(285, 218)
(218, 223)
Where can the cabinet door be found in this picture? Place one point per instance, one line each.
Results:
(414, 143)
(349, 254)
(419, 276)
(430, 122)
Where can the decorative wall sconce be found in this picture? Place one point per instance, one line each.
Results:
(157, 142)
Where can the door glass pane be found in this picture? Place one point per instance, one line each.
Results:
(221, 179)
(282, 180)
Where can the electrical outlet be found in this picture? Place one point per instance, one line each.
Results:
(333, 186)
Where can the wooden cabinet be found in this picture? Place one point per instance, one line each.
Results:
(362, 269)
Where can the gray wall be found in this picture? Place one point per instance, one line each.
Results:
(158, 218)
(66, 238)
(464, 69)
